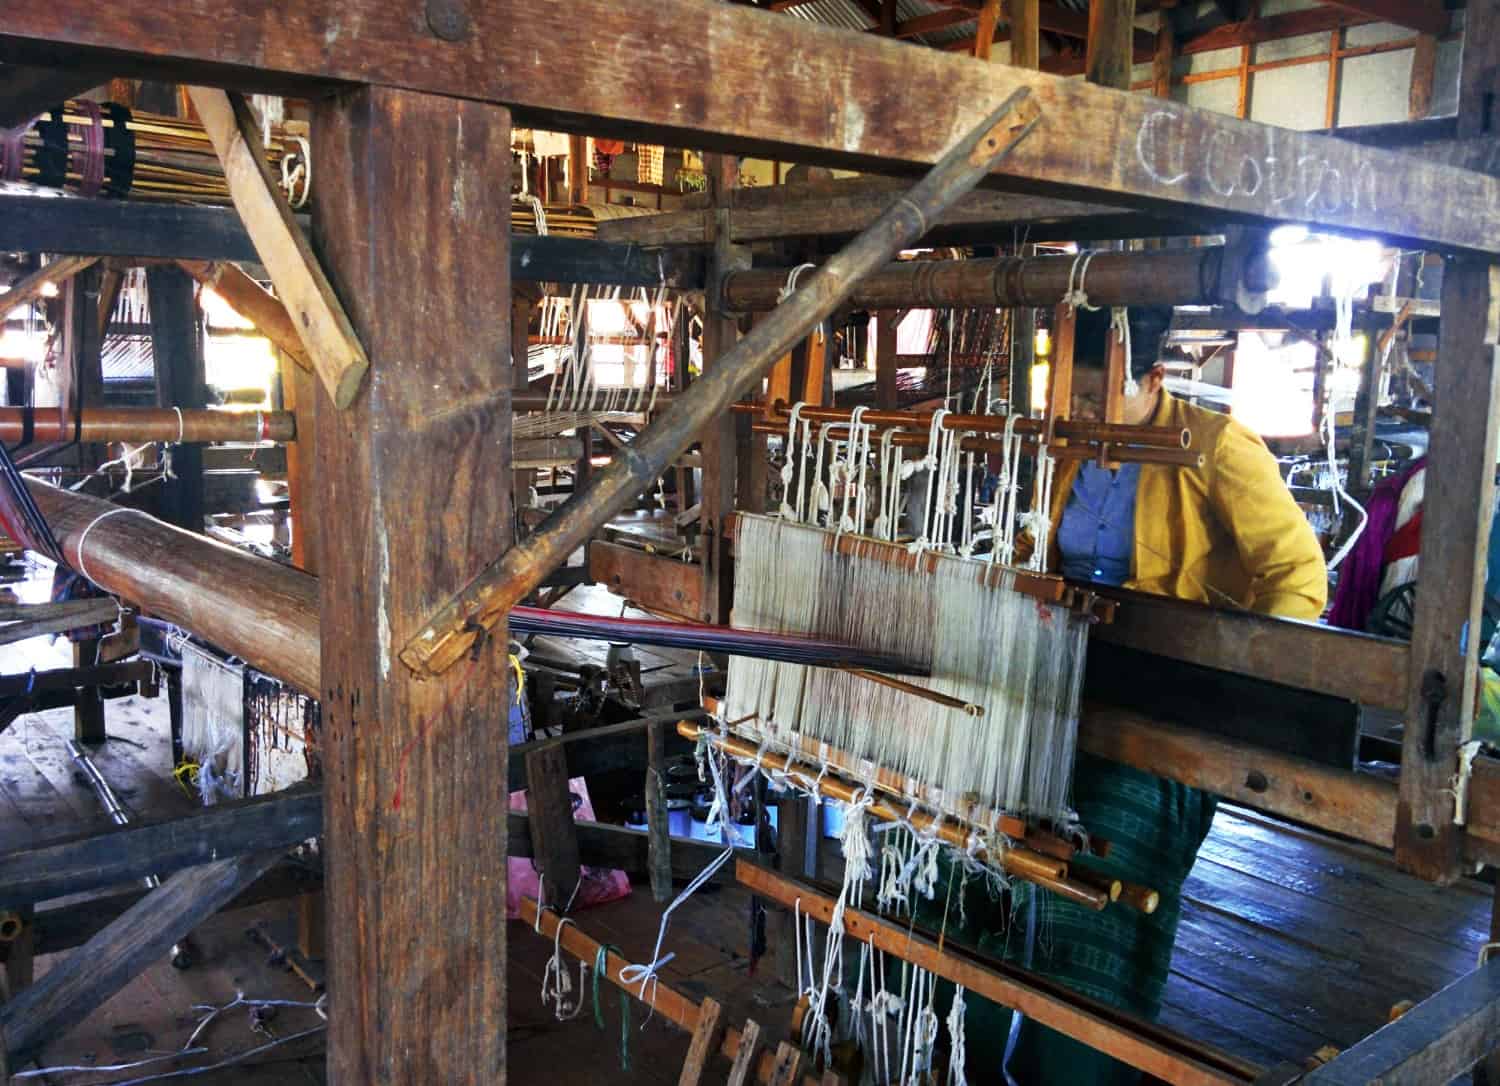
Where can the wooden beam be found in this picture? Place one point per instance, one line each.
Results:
(253, 302)
(74, 987)
(1360, 667)
(658, 583)
(933, 21)
(1423, 15)
(549, 810)
(898, 115)
(1355, 805)
(419, 468)
(708, 1034)
(1317, 20)
(1111, 43)
(1025, 33)
(844, 207)
(161, 846)
(27, 92)
(27, 290)
(1161, 60)
(329, 339)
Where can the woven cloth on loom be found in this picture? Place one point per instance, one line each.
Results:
(1019, 659)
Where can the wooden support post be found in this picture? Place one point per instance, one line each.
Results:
(660, 848)
(299, 393)
(1022, 358)
(745, 1059)
(984, 36)
(331, 343)
(707, 1036)
(177, 347)
(719, 439)
(418, 472)
(1161, 60)
(19, 955)
(1366, 408)
(887, 370)
(88, 710)
(1455, 533)
(1423, 75)
(1111, 43)
(578, 170)
(1060, 363)
(85, 366)
(1487, 1071)
(554, 838)
(796, 824)
(74, 987)
(1025, 33)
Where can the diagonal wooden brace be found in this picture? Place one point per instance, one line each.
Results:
(332, 345)
(482, 604)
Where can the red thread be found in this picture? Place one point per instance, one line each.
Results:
(422, 729)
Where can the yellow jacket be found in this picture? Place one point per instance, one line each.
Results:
(1229, 528)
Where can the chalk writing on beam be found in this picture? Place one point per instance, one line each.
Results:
(1248, 163)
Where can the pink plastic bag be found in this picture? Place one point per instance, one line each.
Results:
(599, 884)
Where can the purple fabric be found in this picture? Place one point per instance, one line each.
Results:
(1359, 580)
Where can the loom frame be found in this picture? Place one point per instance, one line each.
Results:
(326, 46)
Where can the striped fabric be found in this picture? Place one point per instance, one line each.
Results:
(1119, 957)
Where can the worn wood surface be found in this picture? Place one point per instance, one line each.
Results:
(1359, 667)
(418, 470)
(549, 812)
(658, 583)
(1445, 647)
(26, 92)
(1354, 804)
(744, 1059)
(330, 341)
(657, 829)
(157, 846)
(844, 207)
(299, 394)
(1025, 33)
(707, 1036)
(110, 960)
(899, 107)
(1111, 45)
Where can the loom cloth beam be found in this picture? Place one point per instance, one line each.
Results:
(143, 424)
(898, 106)
(444, 639)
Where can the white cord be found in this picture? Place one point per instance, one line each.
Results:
(83, 538)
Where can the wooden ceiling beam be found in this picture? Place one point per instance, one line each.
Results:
(1272, 28)
(1429, 18)
(898, 105)
(25, 92)
(937, 20)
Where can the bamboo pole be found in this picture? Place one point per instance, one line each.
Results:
(1138, 454)
(483, 603)
(1203, 276)
(263, 612)
(142, 424)
(1017, 861)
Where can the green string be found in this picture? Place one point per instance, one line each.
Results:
(601, 968)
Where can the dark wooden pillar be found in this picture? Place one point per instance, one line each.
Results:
(1455, 534)
(417, 473)
(887, 367)
(719, 441)
(177, 349)
(1456, 513)
(1111, 45)
(84, 387)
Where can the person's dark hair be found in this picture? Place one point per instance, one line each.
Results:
(1148, 331)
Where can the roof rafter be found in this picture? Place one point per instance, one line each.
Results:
(1429, 18)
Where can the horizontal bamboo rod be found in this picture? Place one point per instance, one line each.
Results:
(1165, 437)
(1022, 863)
(1088, 450)
(143, 424)
(1208, 275)
(1166, 1056)
(664, 999)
